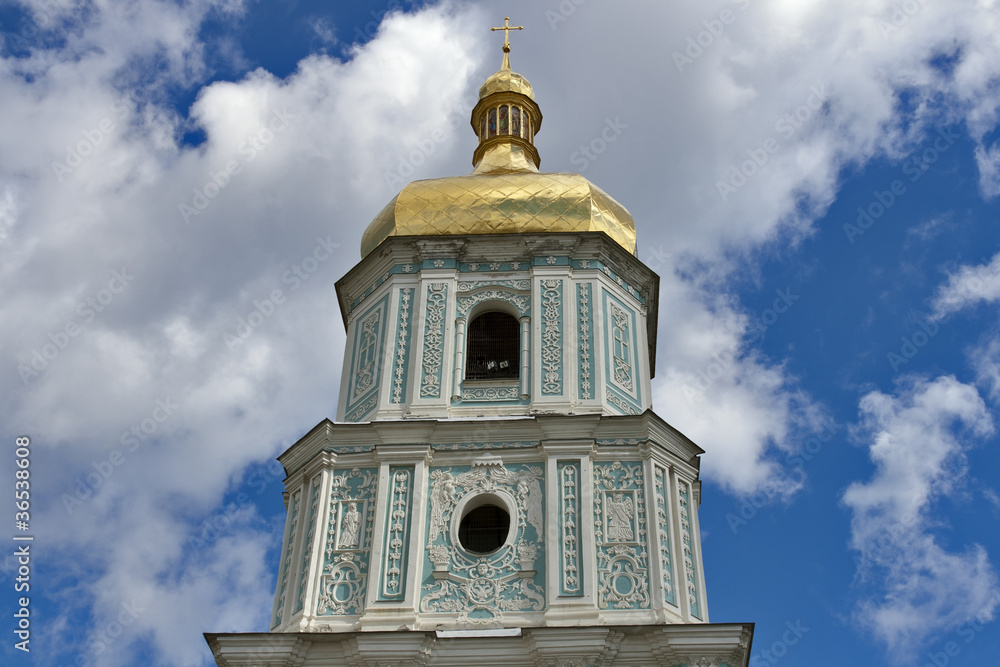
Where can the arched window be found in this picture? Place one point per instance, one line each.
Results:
(494, 347)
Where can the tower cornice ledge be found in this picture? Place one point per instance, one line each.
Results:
(606, 433)
(716, 644)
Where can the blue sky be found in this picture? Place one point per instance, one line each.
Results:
(816, 184)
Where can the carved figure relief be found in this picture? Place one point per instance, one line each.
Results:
(620, 514)
(350, 527)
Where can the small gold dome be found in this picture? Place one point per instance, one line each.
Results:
(506, 81)
(521, 202)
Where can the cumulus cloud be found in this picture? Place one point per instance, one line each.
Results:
(968, 286)
(917, 440)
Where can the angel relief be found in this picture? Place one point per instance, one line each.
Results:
(620, 513)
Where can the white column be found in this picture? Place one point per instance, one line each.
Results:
(456, 392)
(525, 356)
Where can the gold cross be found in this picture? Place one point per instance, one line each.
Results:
(507, 27)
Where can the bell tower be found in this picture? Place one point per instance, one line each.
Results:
(496, 487)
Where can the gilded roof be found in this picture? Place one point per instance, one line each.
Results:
(506, 80)
(501, 203)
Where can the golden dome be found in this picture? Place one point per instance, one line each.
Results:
(506, 81)
(505, 194)
(521, 202)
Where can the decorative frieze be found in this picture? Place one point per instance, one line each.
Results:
(518, 285)
(491, 393)
(520, 301)
(470, 446)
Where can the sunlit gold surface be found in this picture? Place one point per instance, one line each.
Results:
(506, 80)
(501, 203)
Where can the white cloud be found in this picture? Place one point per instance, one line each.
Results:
(985, 359)
(968, 286)
(746, 412)
(918, 439)
(988, 161)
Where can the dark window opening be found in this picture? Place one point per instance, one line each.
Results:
(494, 348)
(484, 529)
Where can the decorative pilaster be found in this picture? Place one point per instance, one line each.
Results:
(456, 392)
(433, 353)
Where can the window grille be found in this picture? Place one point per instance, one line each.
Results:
(484, 529)
(494, 348)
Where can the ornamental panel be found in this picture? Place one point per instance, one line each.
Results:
(663, 534)
(344, 580)
(690, 575)
(621, 360)
(571, 582)
(620, 531)
(552, 337)
(433, 353)
(401, 362)
(585, 322)
(520, 301)
(307, 547)
(480, 588)
(286, 559)
(366, 362)
(397, 533)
